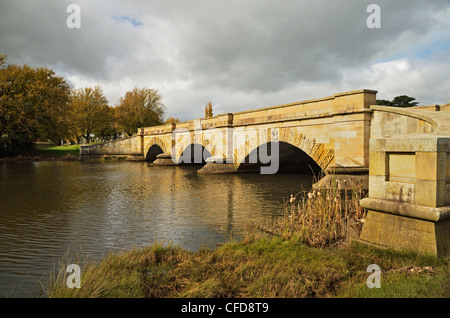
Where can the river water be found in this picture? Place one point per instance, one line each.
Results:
(52, 211)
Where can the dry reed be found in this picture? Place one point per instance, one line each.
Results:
(323, 216)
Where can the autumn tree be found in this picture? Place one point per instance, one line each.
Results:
(107, 126)
(33, 105)
(90, 111)
(208, 110)
(2, 60)
(172, 120)
(140, 107)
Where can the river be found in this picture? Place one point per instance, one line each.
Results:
(50, 212)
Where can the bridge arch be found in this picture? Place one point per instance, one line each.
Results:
(154, 147)
(194, 154)
(315, 154)
(152, 152)
(317, 151)
(289, 158)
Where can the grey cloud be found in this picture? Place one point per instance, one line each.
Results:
(253, 51)
(267, 45)
(35, 32)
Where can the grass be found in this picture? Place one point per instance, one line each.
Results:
(70, 153)
(257, 267)
(306, 254)
(61, 150)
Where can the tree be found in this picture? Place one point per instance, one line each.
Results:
(2, 60)
(208, 110)
(141, 107)
(107, 126)
(399, 101)
(171, 120)
(33, 105)
(90, 109)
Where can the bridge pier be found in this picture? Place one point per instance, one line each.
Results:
(218, 166)
(164, 159)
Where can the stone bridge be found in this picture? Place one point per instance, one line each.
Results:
(404, 151)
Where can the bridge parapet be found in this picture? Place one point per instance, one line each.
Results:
(334, 131)
(338, 104)
(409, 180)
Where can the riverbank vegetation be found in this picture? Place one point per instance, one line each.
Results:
(257, 268)
(307, 253)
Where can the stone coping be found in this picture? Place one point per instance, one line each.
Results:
(411, 143)
(440, 120)
(415, 113)
(360, 91)
(407, 209)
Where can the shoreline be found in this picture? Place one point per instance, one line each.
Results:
(256, 267)
(37, 157)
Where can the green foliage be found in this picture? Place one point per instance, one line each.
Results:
(399, 101)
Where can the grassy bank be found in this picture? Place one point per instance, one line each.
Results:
(307, 253)
(60, 150)
(258, 267)
(70, 152)
(57, 153)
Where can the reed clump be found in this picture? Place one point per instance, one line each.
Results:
(323, 216)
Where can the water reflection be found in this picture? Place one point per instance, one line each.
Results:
(51, 209)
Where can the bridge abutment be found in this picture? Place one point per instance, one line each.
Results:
(408, 207)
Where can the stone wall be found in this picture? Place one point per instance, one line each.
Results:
(121, 148)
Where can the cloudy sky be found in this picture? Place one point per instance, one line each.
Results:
(237, 54)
